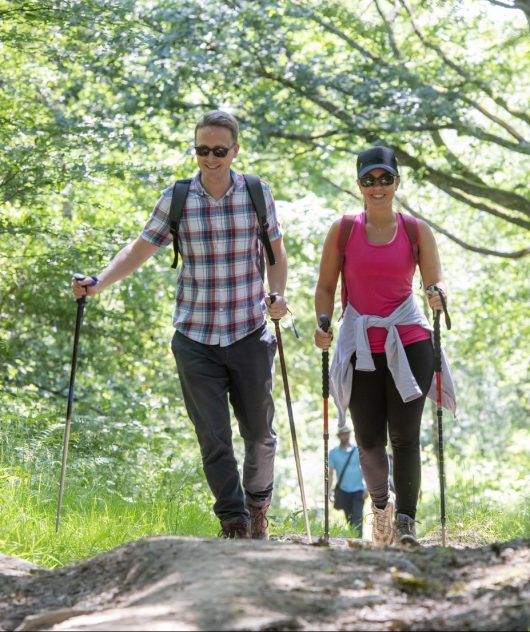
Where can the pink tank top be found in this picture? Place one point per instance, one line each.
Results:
(379, 278)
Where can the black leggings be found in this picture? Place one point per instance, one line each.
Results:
(377, 409)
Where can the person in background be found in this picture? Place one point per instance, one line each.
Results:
(350, 491)
(383, 364)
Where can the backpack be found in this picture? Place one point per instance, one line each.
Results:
(346, 226)
(255, 190)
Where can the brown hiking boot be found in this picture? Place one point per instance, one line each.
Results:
(235, 529)
(259, 524)
(382, 523)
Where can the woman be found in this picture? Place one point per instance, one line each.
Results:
(382, 369)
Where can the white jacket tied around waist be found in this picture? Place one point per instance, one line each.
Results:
(353, 338)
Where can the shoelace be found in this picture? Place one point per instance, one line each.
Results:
(406, 526)
(381, 520)
(241, 532)
(260, 519)
(232, 532)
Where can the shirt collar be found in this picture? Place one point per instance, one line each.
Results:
(197, 184)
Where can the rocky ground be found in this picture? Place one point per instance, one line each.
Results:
(176, 583)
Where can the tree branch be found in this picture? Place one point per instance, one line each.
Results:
(502, 4)
(522, 5)
(517, 254)
(356, 196)
(437, 180)
(446, 182)
(336, 31)
(524, 147)
(464, 74)
(454, 162)
(389, 30)
(460, 71)
(495, 119)
(480, 206)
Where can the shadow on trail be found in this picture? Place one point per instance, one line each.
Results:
(177, 583)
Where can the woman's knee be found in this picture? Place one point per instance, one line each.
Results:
(370, 441)
(405, 437)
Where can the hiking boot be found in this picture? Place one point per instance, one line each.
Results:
(405, 530)
(259, 524)
(382, 523)
(235, 529)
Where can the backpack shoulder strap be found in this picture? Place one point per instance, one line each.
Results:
(411, 226)
(255, 191)
(345, 228)
(178, 199)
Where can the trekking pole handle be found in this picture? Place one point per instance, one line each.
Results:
(439, 291)
(325, 323)
(82, 277)
(272, 296)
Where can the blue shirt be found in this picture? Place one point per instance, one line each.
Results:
(352, 481)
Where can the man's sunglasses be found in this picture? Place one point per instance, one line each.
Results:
(385, 180)
(218, 151)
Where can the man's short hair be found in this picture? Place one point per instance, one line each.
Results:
(218, 118)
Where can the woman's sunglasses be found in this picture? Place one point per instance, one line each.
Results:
(218, 151)
(385, 180)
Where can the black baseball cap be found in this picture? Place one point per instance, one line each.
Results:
(376, 158)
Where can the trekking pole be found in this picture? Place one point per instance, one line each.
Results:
(438, 374)
(324, 325)
(276, 322)
(79, 319)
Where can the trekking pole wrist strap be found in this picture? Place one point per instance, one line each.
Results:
(441, 294)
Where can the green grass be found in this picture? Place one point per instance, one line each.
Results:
(152, 485)
(473, 523)
(485, 501)
(89, 524)
(135, 492)
(93, 522)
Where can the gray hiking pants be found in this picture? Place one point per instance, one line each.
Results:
(211, 376)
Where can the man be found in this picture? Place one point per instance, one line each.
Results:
(222, 345)
(344, 459)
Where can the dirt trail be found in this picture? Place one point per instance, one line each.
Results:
(176, 583)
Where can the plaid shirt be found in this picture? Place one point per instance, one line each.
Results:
(220, 292)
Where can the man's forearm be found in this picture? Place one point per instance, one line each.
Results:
(129, 259)
(277, 274)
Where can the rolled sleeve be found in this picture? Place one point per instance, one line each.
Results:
(156, 231)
